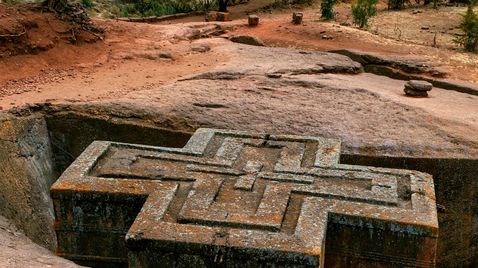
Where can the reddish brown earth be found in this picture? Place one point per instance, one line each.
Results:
(35, 77)
(26, 29)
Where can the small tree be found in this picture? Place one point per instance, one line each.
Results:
(75, 15)
(469, 26)
(396, 4)
(362, 10)
(327, 9)
(58, 6)
(223, 5)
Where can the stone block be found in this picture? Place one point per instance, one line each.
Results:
(211, 16)
(222, 16)
(231, 198)
(297, 18)
(253, 20)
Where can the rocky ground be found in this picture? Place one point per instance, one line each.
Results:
(17, 250)
(189, 75)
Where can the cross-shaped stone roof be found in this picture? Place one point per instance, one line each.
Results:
(234, 197)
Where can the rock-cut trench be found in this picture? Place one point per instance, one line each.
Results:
(37, 147)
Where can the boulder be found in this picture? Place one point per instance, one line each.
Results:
(417, 88)
(248, 40)
(201, 48)
(419, 85)
(165, 55)
(415, 93)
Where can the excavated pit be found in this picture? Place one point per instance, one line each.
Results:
(36, 147)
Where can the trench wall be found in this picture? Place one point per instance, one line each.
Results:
(71, 133)
(26, 174)
(456, 188)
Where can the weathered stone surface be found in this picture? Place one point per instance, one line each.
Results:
(419, 85)
(248, 40)
(452, 178)
(233, 198)
(256, 60)
(274, 75)
(26, 174)
(165, 55)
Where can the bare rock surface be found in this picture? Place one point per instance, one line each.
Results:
(319, 94)
(281, 90)
(251, 60)
(18, 251)
(412, 65)
(201, 48)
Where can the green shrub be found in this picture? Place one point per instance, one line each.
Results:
(362, 10)
(87, 3)
(460, 1)
(469, 26)
(396, 4)
(303, 2)
(286, 3)
(327, 9)
(146, 8)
